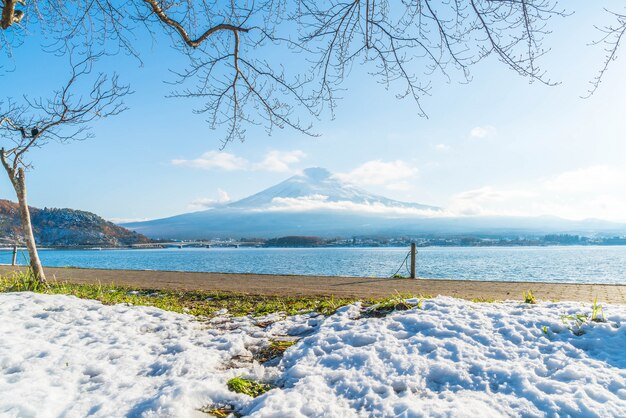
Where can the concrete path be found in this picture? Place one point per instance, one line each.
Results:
(359, 287)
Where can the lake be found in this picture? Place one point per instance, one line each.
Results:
(571, 264)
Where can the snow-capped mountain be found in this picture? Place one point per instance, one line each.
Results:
(318, 188)
(318, 203)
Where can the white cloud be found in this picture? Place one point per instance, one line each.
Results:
(483, 132)
(321, 202)
(279, 161)
(442, 147)
(590, 179)
(206, 203)
(488, 201)
(591, 192)
(401, 186)
(381, 173)
(126, 220)
(276, 161)
(215, 160)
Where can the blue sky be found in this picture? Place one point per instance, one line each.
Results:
(498, 145)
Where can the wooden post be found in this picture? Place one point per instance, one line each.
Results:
(14, 260)
(413, 253)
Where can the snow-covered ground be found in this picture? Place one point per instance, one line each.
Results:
(62, 356)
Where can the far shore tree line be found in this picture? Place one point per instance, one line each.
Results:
(295, 241)
(426, 240)
(229, 52)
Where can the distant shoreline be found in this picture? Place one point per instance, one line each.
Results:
(213, 246)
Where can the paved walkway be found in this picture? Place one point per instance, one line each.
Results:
(338, 286)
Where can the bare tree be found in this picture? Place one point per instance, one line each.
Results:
(404, 44)
(63, 117)
(236, 53)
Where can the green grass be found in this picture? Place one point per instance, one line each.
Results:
(576, 321)
(21, 282)
(275, 349)
(385, 306)
(220, 411)
(483, 300)
(247, 387)
(597, 315)
(281, 345)
(199, 303)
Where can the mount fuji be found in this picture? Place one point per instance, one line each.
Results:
(318, 203)
(317, 188)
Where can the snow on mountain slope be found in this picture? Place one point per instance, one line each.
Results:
(318, 203)
(318, 185)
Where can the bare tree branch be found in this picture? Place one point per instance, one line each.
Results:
(194, 43)
(65, 116)
(236, 50)
(611, 39)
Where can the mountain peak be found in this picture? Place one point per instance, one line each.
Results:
(316, 188)
(316, 173)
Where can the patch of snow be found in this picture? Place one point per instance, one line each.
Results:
(62, 356)
(455, 358)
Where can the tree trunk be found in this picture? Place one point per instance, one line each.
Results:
(18, 181)
(9, 14)
(27, 228)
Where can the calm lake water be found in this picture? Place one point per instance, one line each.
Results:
(549, 264)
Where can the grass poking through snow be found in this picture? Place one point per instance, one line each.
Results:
(384, 307)
(575, 322)
(597, 315)
(220, 411)
(275, 349)
(247, 386)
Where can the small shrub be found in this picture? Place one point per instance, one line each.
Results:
(247, 387)
(529, 297)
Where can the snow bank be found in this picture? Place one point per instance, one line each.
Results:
(456, 358)
(61, 356)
